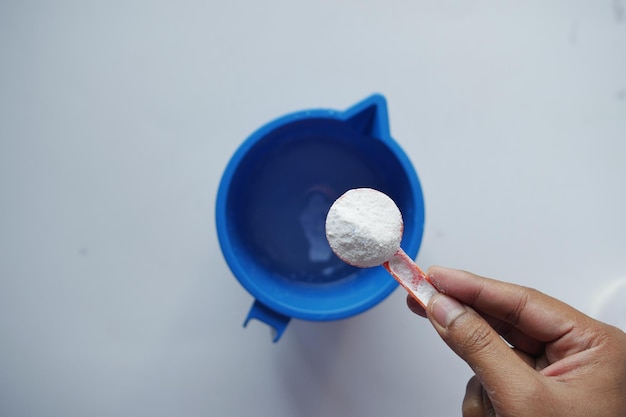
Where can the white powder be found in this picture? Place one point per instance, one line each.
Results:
(364, 227)
(412, 278)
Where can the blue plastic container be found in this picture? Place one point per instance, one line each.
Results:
(272, 203)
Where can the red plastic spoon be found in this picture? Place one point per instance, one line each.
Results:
(364, 228)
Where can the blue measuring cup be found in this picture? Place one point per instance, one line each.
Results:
(272, 203)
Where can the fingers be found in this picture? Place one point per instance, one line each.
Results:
(473, 405)
(511, 334)
(515, 337)
(535, 314)
(564, 350)
(476, 402)
(414, 306)
(475, 341)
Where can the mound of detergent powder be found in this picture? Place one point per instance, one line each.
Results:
(364, 227)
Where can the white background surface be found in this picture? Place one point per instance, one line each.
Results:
(117, 119)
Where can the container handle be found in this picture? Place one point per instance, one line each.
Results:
(278, 322)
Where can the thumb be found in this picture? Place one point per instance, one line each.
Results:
(476, 342)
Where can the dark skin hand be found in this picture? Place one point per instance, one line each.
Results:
(558, 362)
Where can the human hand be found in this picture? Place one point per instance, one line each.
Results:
(562, 363)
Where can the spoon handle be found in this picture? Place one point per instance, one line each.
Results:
(411, 277)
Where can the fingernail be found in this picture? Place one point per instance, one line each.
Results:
(445, 309)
